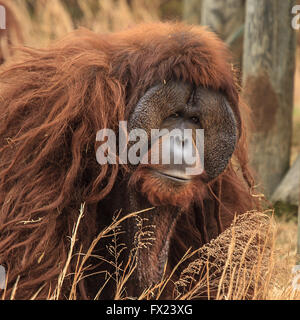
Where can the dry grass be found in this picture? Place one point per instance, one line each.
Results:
(117, 15)
(285, 259)
(242, 258)
(253, 254)
(51, 20)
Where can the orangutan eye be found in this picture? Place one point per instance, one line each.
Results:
(195, 119)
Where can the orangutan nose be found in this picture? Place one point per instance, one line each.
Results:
(181, 150)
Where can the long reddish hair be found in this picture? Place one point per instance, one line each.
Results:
(53, 102)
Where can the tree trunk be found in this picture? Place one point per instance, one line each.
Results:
(268, 80)
(223, 17)
(289, 188)
(226, 18)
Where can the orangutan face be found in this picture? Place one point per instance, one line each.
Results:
(182, 158)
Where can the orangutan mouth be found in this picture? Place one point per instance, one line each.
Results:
(175, 177)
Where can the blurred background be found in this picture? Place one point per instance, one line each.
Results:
(266, 55)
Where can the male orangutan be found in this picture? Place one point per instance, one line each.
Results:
(53, 103)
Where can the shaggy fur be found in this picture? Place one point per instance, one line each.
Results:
(52, 104)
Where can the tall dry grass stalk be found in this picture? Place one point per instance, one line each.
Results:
(121, 275)
(239, 264)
